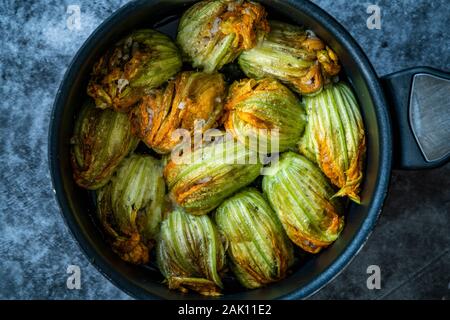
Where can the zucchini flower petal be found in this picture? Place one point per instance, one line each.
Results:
(258, 247)
(292, 55)
(335, 138)
(136, 64)
(264, 110)
(302, 198)
(130, 207)
(190, 254)
(213, 33)
(192, 96)
(200, 180)
(101, 139)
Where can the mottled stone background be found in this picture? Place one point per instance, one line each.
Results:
(411, 242)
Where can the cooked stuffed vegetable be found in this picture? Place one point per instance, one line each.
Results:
(335, 138)
(302, 198)
(130, 207)
(293, 55)
(193, 101)
(213, 33)
(139, 62)
(259, 250)
(190, 253)
(264, 115)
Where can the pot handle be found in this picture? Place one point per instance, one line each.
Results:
(419, 103)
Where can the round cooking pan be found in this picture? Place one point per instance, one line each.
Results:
(417, 107)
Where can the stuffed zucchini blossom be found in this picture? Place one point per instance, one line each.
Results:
(213, 33)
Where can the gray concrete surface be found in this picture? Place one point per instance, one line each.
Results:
(410, 244)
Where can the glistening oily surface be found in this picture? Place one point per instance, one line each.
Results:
(411, 242)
